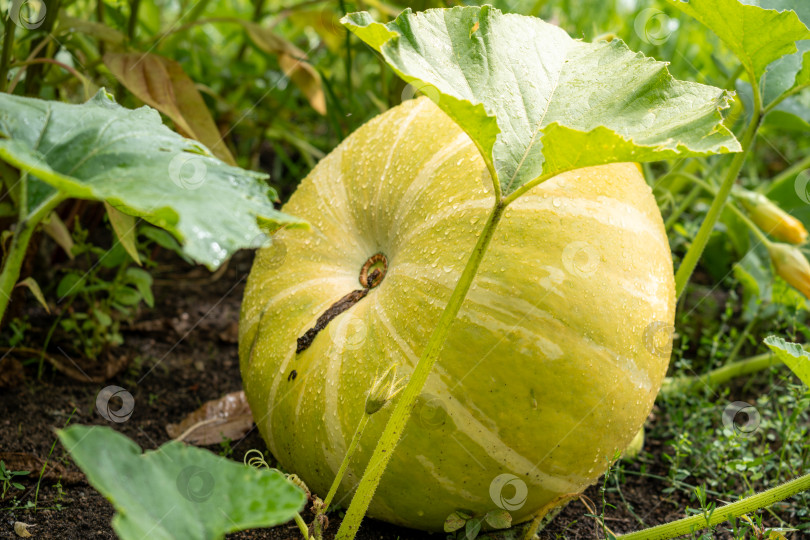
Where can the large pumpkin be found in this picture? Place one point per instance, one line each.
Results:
(552, 365)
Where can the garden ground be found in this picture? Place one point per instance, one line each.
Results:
(178, 356)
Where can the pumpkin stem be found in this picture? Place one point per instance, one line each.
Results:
(373, 271)
(371, 275)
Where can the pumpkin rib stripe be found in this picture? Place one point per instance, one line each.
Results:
(417, 272)
(336, 199)
(431, 221)
(472, 428)
(332, 422)
(479, 435)
(602, 210)
(487, 323)
(250, 320)
(348, 230)
(445, 482)
(578, 208)
(414, 190)
(395, 145)
(549, 348)
(283, 365)
(420, 273)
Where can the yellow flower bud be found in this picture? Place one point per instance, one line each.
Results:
(384, 390)
(792, 266)
(772, 219)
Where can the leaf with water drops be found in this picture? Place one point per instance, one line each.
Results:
(129, 159)
(537, 102)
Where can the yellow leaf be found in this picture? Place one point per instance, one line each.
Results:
(292, 61)
(124, 227)
(56, 229)
(21, 529)
(33, 286)
(306, 78)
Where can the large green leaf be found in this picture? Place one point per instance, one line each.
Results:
(757, 36)
(791, 114)
(128, 158)
(162, 83)
(787, 73)
(537, 102)
(793, 355)
(177, 491)
(794, 69)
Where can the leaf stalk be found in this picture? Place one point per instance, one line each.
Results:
(5, 58)
(358, 433)
(19, 245)
(404, 405)
(695, 250)
(721, 375)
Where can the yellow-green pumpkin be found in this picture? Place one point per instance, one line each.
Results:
(552, 365)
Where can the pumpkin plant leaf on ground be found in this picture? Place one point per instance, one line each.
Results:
(498, 519)
(455, 521)
(178, 491)
(128, 158)
(161, 83)
(757, 36)
(537, 102)
(793, 355)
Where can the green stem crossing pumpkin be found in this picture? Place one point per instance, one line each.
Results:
(551, 367)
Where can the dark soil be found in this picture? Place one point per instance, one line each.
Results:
(181, 354)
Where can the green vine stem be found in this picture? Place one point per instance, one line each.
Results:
(721, 375)
(346, 459)
(132, 22)
(686, 203)
(358, 433)
(732, 355)
(724, 513)
(792, 92)
(347, 62)
(19, 245)
(33, 77)
(302, 526)
(5, 56)
(404, 405)
(739, 213)
(695, 250)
